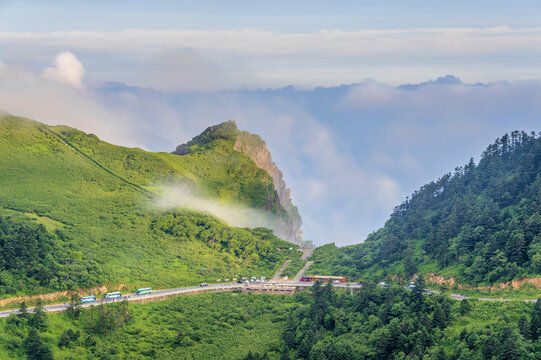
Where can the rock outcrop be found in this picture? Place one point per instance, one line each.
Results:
(288, 220)
(255, 148)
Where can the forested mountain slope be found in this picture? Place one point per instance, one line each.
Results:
(98, 224)
(481, 224)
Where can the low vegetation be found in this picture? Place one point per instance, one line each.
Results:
(293, 268)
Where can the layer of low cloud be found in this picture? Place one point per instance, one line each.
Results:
(191, 60)
(435, 41)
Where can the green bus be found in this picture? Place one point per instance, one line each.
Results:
(143, 291)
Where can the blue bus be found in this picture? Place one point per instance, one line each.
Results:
(143, 291)
(114, 295)
(90, 298)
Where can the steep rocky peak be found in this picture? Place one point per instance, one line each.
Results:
(255, 149)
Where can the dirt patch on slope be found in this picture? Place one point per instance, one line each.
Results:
(515, 284)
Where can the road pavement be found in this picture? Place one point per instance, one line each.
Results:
(224, 286)
(301, 272)
(133, 297)
(276, 276)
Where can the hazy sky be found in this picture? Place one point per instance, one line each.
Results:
(186, 45)
(349, 153)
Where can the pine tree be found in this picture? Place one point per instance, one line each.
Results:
(491, 348)
(64, 340)
(535, 325)
(23, 311)
(35, 348)
(38, 320)
(524, 327)
(512, 346)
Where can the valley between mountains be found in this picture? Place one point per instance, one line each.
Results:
(80, 216)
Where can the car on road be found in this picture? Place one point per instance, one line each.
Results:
(203, 284)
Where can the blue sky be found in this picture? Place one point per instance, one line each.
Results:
(236, 44)
(280, 15)
(351, 143)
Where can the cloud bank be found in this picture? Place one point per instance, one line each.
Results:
(196, 60)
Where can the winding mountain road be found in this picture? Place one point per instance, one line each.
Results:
(158, 295)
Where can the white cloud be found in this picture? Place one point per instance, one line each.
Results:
(67, 70)
(60, 102)
(203, 60)
(434, 41)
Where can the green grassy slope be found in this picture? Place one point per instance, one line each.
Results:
(98, 195)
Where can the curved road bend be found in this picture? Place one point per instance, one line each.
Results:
(133, 297)
(177, 291)
(225, 286)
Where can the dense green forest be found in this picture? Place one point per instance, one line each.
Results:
(30, 259)
(323, 323)
(481, 224)
(392, 323)
(97, 204)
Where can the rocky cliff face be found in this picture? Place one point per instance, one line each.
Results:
(288, 220)
(255, 148)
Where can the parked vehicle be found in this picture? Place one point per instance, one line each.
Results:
(203, 284)
(113, 295)
(143, 291)
(90, 298)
